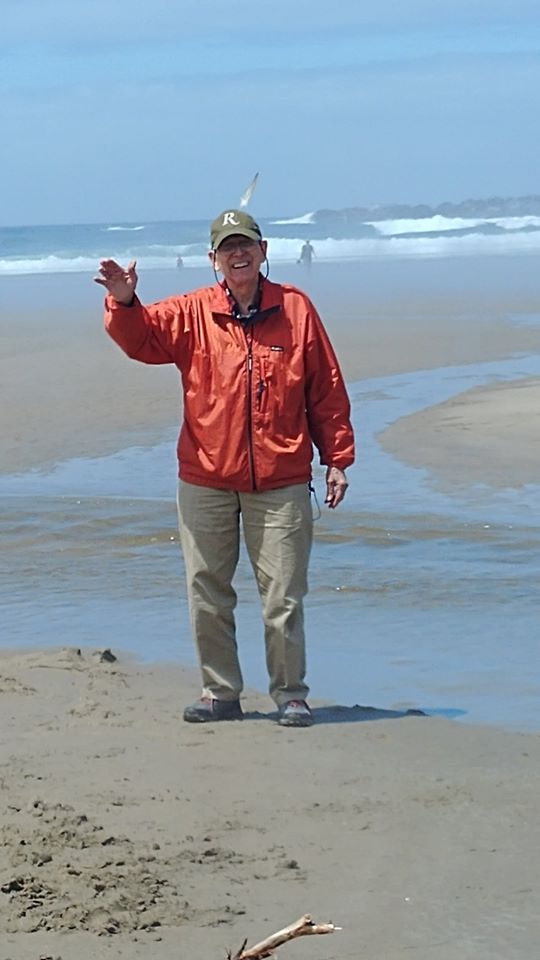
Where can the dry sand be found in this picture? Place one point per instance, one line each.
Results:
(128, 833)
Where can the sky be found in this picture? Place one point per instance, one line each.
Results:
(165, 110)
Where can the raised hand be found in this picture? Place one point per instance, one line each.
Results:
(120, 282)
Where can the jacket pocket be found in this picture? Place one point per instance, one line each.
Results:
(271, 387)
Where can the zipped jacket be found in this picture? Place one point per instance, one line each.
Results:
(256, 395)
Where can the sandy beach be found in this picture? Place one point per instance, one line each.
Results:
(129, 833)
(387, 170)
(485, 436)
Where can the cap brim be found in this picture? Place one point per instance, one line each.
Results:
(235, 232)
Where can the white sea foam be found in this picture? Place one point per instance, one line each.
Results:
(440, 224)
(436, 224)
(305, 218)
(516, 223)
(124, 229)
(287, 250)
(47, 265)
(89, 264)
(283, 249)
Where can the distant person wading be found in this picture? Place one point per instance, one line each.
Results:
(261, 385)
(306, 254)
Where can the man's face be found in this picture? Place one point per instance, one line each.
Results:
(239, 259)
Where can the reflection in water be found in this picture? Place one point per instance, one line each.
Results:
(402, 611)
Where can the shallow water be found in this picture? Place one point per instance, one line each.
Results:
(418, 599)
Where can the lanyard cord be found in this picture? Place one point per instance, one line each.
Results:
(312, 490)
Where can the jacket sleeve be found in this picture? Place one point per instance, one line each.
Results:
(327, 402)
(151, 334)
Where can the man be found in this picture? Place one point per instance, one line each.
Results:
(306, 254)
(261, 383)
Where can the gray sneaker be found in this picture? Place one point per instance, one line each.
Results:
(295, 713)
(207, 709)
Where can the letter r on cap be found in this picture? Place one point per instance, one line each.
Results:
(229, 218)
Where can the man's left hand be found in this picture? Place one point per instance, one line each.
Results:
(336, 486)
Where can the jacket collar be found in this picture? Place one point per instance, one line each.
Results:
(271, 297)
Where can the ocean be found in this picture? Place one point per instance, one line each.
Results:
(419, 599)
(336, 237)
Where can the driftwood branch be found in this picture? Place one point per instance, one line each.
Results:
(300, 928)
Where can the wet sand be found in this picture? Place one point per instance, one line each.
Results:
(484, 436)
(67, 391)
(128, 833)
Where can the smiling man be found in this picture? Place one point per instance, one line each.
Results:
(261, 386)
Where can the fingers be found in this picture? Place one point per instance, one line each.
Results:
(335, 495)
(112, 275)
(108, 265)
(132, 273)
(336, 487)
(111, 270)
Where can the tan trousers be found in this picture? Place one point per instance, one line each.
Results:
(278, 530)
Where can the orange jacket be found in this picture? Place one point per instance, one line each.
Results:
(255, 397)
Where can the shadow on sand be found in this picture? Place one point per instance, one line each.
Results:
(338, 714)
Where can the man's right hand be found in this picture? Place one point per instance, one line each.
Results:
(120, 283)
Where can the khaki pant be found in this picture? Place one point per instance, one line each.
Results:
(277, 528)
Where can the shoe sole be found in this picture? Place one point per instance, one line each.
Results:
(194, 718)
(296, 722)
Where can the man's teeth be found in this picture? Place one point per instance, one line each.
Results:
(236, 266)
